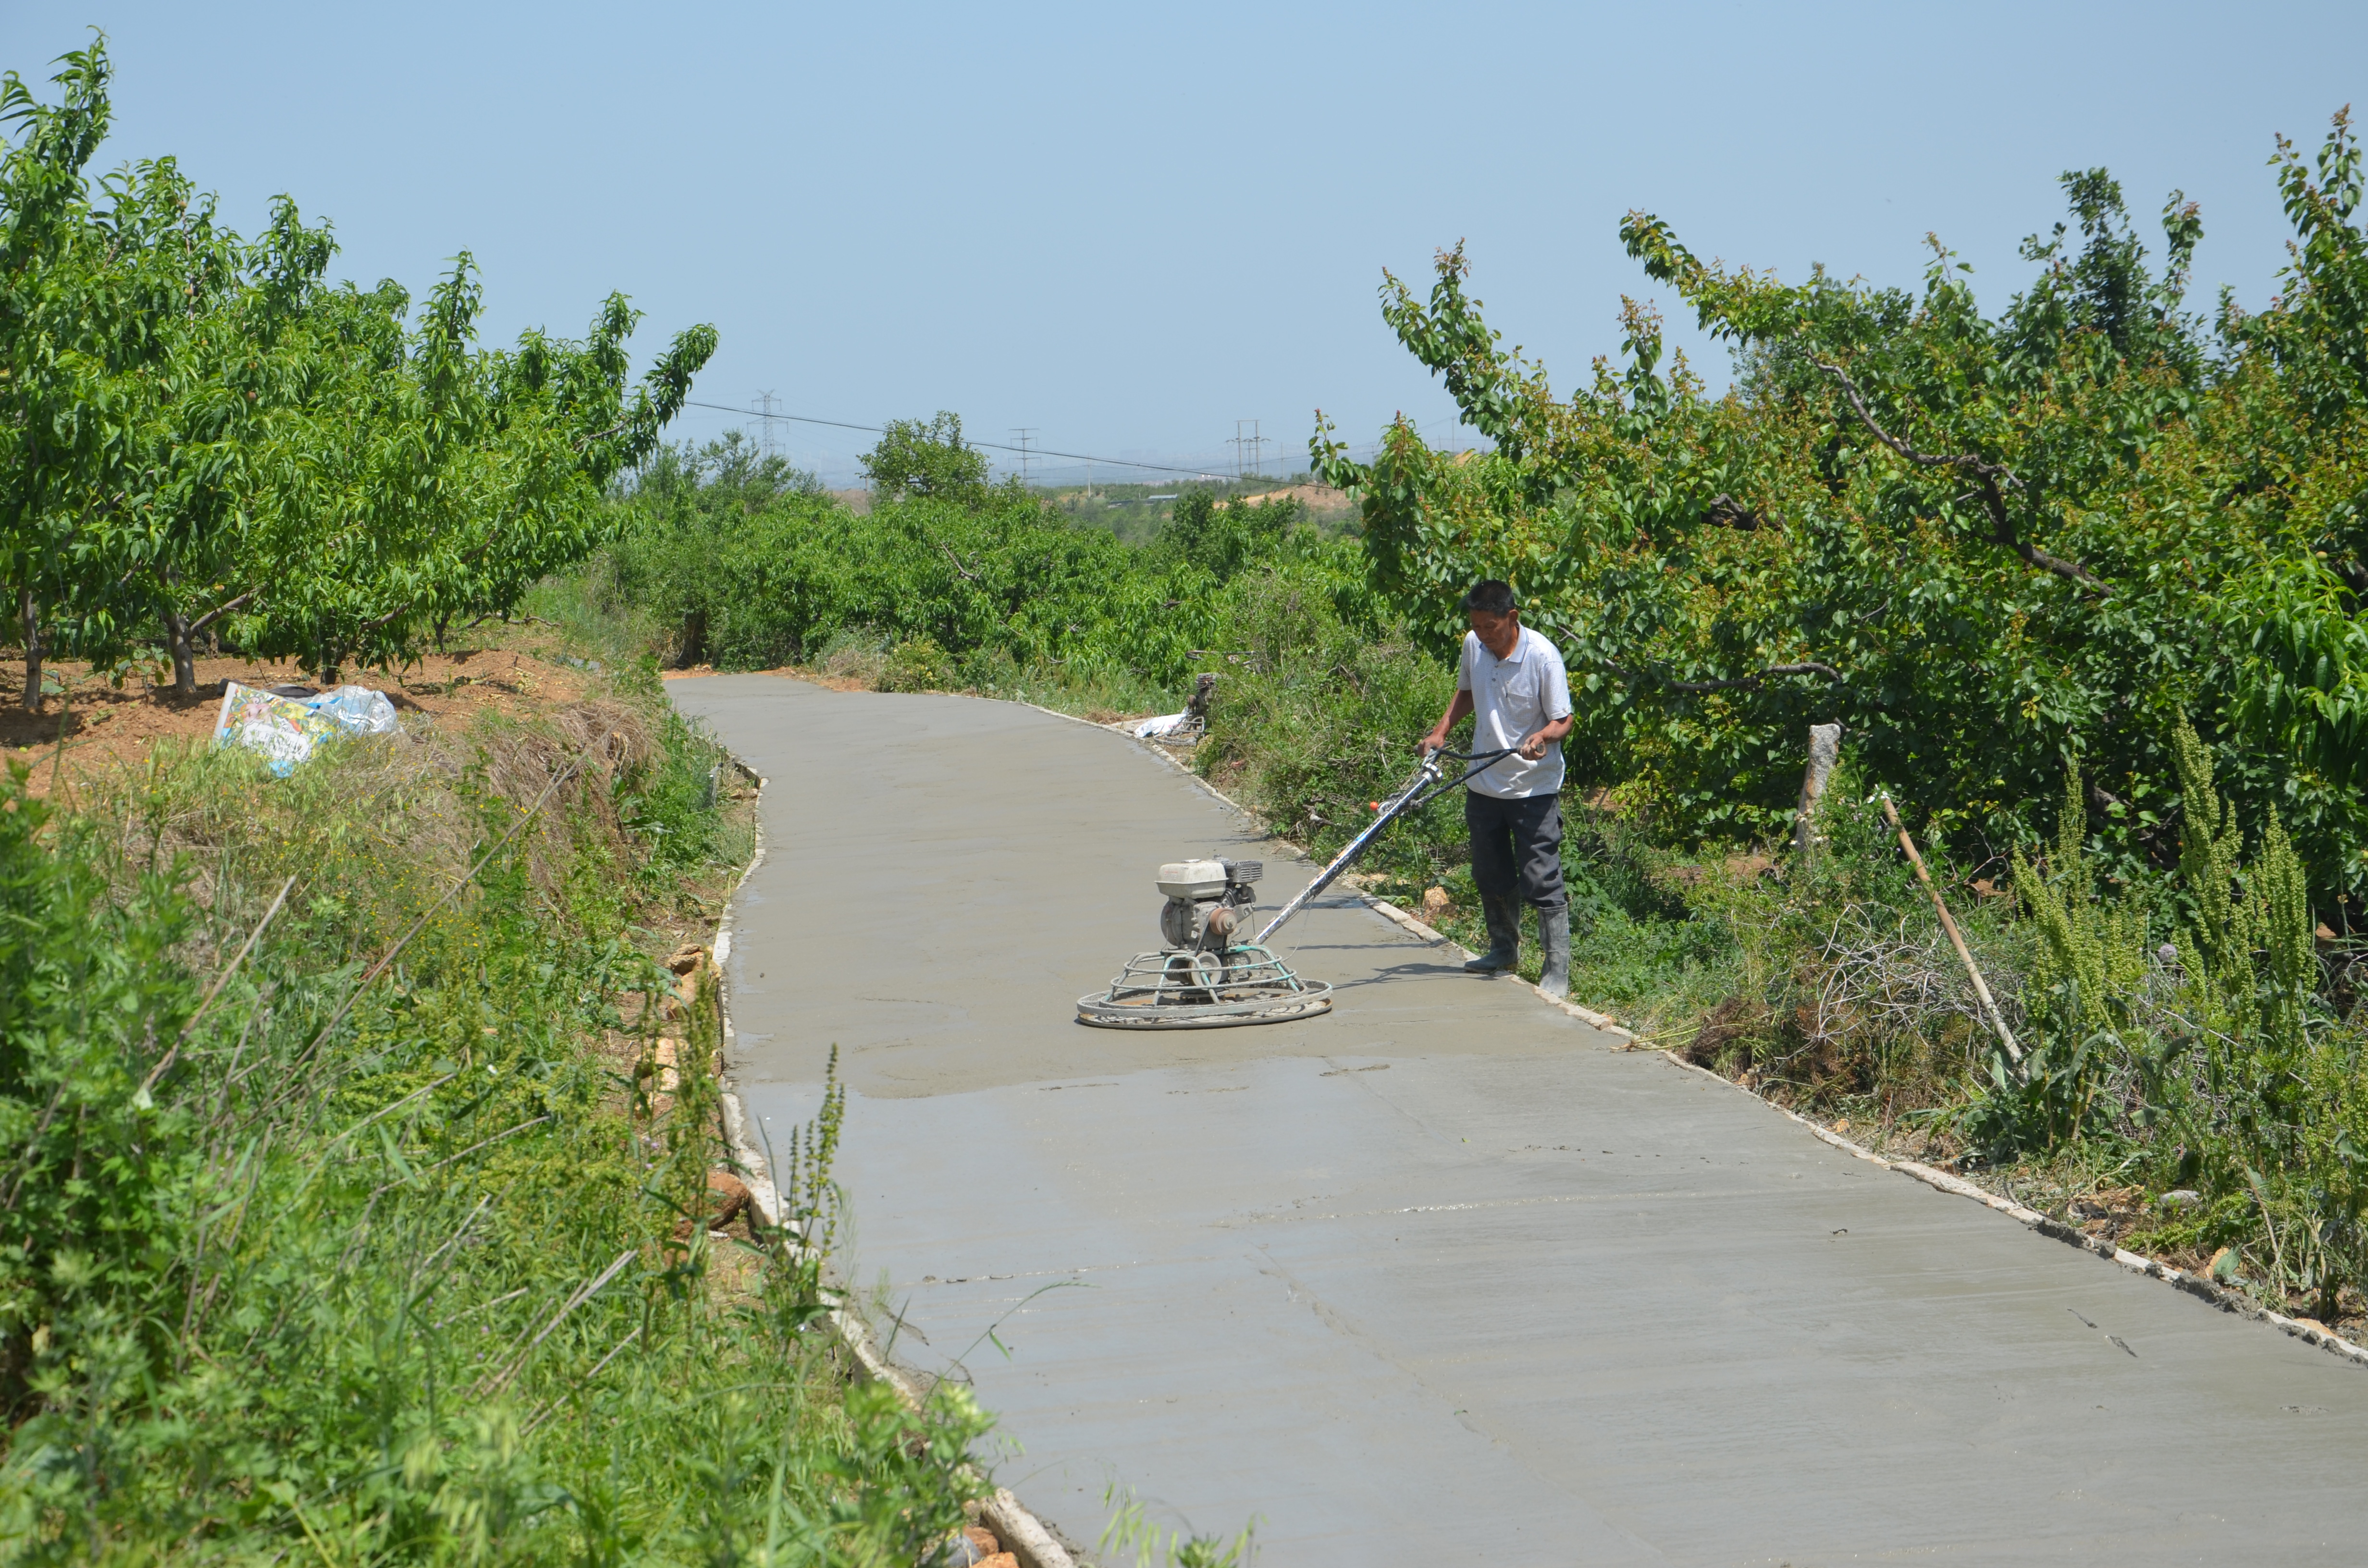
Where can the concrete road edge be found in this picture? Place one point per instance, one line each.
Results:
(1019, 1531)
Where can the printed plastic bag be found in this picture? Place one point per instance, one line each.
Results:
(284, 729)
(280, 730)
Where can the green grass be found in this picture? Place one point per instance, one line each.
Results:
(286, 1285)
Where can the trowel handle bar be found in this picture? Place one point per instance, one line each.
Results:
(1424, 787)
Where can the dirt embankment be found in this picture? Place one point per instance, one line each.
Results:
(1321, 500)
(104, 722)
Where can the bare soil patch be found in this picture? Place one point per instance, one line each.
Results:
(1320, 499)
(116, 721)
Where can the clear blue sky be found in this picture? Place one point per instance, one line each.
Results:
(1129, 226)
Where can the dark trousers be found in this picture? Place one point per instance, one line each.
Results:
(1517, 847)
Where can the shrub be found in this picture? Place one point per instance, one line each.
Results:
(916, 663)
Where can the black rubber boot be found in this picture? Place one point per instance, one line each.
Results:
(1554, 937)
(1504, 917)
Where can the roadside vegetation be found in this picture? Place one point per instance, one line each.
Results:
(2082, 582)
(360, 1131)
(728, 559)
(357, 1197)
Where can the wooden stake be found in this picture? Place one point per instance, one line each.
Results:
(1964, 956)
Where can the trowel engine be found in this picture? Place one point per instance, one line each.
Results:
(1209, 902)
(1214, 969)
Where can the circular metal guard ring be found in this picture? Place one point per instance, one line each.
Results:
(1100, 1012)
(1181, 989)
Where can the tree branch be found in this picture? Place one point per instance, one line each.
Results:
(1806, 667)
(366, 627)
(219, 611)
(1994, 479)
(1967, 461)
(2002, 531)
(584, 443)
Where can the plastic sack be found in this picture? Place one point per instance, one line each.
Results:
(359, 708)
(284, 729)
(1163, 727)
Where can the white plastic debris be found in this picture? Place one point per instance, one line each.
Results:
(1162, 727)
(283, 730)
(1185, 728)
(359, 708)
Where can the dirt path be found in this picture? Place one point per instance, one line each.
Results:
(1440, 1278)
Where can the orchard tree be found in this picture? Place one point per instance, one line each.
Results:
(1996, 549)
(203, 434)
(926, 458)
(57, 353)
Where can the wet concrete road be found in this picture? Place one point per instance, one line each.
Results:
(1439, 1277)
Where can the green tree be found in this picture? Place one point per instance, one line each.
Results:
(61, 360)
(1991, 546)
(917, 457)
(204, 434)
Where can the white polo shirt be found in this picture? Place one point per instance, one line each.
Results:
(1513, 699)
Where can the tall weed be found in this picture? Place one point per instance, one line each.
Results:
(422, 1274)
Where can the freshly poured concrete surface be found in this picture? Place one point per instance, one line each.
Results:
(1437, 1278)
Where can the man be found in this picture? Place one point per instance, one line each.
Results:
(1513, 681)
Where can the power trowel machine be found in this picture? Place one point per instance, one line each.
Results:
(1210, 975)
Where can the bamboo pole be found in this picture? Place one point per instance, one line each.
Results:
(1956, 938)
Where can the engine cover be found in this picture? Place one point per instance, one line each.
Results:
(1190, 880)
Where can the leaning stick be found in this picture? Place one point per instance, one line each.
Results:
(220, 980)
(578, 1300)
(1964, 956)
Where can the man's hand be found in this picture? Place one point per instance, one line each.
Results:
(1535, 745)
(1437, 739)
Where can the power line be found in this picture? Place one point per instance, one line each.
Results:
(998, 446)
(1250, 447)
(1031, 451)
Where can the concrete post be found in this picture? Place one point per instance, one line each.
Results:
(1825, 750)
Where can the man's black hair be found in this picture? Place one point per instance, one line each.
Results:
(1491, 597)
